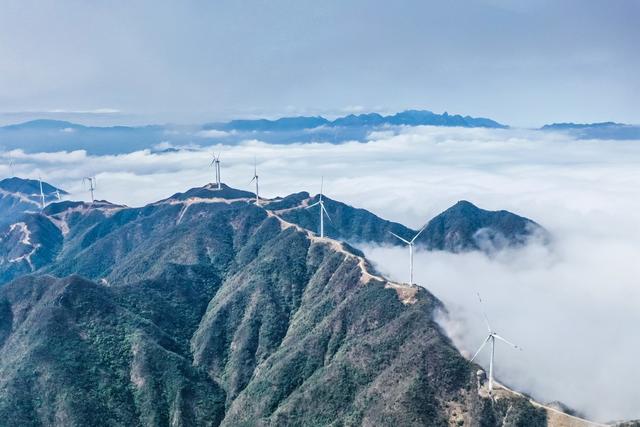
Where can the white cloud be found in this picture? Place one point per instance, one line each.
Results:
(213, 133)
(573, 309)
(94, 111)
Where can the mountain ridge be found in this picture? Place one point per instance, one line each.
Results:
(44, 135)
(403, 118)
(214, 311)
(32, 238)
(152, 319)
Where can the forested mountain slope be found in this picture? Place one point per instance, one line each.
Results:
(205, 309)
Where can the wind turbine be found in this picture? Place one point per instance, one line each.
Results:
(41, 192)
(323, 211)
(92, 185)
(58, 195)
(410, 243)
(255, 178)
(216, 164)
(492, 338)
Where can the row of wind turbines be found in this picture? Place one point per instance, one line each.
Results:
(492, 335)
(92, 188)
(215, 163)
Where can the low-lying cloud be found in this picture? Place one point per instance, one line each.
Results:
(573, 307)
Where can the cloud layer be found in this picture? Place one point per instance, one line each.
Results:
(574, 307)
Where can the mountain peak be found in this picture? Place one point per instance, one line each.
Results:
(211, 191)
(463, 204)
(43, 124)
(464, 227)
(28, 186)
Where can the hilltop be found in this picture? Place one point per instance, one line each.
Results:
(19, 195)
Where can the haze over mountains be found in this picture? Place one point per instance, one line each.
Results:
(603, 130)
(205, 309)
(45, 135)
(53, 135)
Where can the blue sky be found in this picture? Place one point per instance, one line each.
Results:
(522, 63)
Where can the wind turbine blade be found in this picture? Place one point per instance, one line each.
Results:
(406, 241)
(252, 179)
(327, 213)
(486, 319)
(508, 342)
(480, 349)
(419, 232)
(315, 204)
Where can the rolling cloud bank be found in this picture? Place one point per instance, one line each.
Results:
(572, 306)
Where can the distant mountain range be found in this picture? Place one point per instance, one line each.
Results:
(404, 118)
(603, 130)
(205, 309)
(54, 135)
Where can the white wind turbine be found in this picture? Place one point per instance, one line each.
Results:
(92, 185)
(216, 164)
(323, 211)
(255, 178)
(491, 337)
(42, 201)
(410, 244)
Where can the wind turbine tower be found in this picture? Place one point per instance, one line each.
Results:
(255, 178)
(216, 164)
(92, 185)
(42, 200)
(492, 337)
(410, 244)
(323, 211)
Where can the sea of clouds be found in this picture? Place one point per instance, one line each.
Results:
(573, 306)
